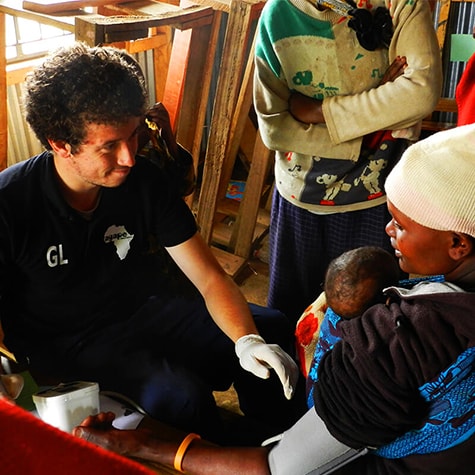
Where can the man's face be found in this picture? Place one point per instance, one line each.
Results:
(419, 250)
(106, 155)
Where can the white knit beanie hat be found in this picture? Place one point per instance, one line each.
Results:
(434, 181)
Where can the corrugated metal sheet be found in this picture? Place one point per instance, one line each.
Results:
(22, 143)
(461, 21)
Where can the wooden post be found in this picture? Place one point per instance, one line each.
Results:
(227, 88)
(442, 21)
(240, 118)
(241, 240)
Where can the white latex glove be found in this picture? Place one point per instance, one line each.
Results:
(256, 356)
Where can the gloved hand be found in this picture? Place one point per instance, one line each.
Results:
(256, 356)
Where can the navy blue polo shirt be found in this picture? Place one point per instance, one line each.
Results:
(62, 276)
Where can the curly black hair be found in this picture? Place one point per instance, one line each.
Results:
(77, 85)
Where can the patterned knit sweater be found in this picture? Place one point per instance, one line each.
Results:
(299, 48)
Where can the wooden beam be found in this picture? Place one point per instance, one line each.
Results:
(63, 22)
(235, 41)
(197, 85)
(229, 262)
(442, 21)
(177, 72)
(51, 7)
(161, 58)
(240, 117)
(242, 239)
(100, 29)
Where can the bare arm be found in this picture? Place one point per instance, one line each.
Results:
(309, 111)
(201, 457)
(223, 298)
(229, 309)
(358, 111)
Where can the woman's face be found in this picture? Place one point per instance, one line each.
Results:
(419, 250)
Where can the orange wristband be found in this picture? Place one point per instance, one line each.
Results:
(180, 453)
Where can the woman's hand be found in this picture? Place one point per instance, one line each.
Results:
(305, 109)
(309, 111)
(159, 115)
(395, 70)
(98, 430)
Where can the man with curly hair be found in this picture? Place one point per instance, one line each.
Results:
(84, 227)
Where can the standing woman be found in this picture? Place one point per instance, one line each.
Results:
(338, 118)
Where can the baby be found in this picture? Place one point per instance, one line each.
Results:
(354, 280)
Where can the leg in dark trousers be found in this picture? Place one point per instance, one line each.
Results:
(264, 400)
(170, 357)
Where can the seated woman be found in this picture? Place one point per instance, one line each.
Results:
(397, 390)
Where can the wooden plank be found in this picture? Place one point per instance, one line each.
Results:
(157, 9)
(12, 7)
(140, 45)
(99, 29)
(229, 262)
(197, 86)
(442, 22)
(195, 94)
(229, 207)
(50, 7)
(191, 124)
(242, 238)
(224, 5)
(241, 114)
(175, 83)
(446, 104)
(161, 58)
(237, 32)
(16, 72)
(223, 233)
(246, 145)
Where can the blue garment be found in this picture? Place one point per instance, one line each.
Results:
(328, 336)
(451, 395)
(452, 416)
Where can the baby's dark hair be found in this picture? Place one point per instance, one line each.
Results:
(77, 85)
(354, 280)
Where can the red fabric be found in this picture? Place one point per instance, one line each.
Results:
(465, 94)
(28, 446)
(307, 331)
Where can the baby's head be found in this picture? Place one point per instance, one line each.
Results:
(354, 280)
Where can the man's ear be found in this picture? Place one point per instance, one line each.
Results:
(462, 246)
(60, 147)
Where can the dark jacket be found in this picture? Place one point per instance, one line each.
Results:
(367, 392)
